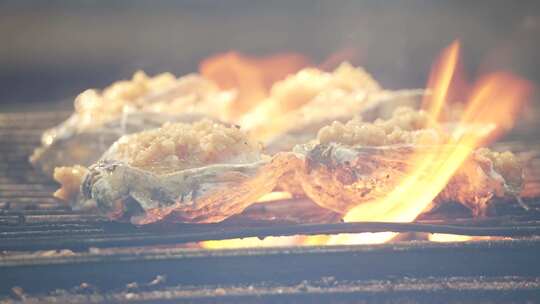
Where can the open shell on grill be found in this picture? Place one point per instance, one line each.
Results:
(360, 162)
(342, 107)
(203, 172)
(340, 177)
(125, 107)
(308, 96)
(299, 105)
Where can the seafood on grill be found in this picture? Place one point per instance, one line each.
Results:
(309, 95)
(139, 151)
(125, 107)
(358, 162)
(200, 172)
(207, 172)
(299, 105)
(340, 107)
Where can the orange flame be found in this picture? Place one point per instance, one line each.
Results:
(440, 80)
(492, 106)
(251, 77)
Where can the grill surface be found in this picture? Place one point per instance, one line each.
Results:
(31, 219)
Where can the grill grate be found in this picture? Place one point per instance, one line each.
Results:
(115, 262)
(31, 219)
(500, 265)
(463, 290)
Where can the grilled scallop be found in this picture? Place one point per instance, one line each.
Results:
(301, 104)
(341, 107)
(308, 95)
(359, 162)
(201, 172)
(125, 107)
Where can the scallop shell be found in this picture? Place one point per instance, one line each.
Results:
(199, 195)
(339, 177)
(84, 136)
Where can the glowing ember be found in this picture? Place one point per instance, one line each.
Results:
(492, 105)
(254, 242)
(274, 196)
(446, 238)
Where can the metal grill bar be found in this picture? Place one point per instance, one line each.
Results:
(30, 219)
(82, 238)
(112, 269)
(327, 290)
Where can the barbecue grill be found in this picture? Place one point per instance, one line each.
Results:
(51, 253)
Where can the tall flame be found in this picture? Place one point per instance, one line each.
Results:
(491, 108)
(440, 80)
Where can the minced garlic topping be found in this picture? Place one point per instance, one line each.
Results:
(161, 93)
(300, 88)
(350, 78)
(505, 163)
(112, 99)
(182, 146)
(406, 126)
(309, 95)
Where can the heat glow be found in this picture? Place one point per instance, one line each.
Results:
(491, 107)
(250, 77)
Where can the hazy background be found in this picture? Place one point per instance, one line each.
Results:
(52, 50)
